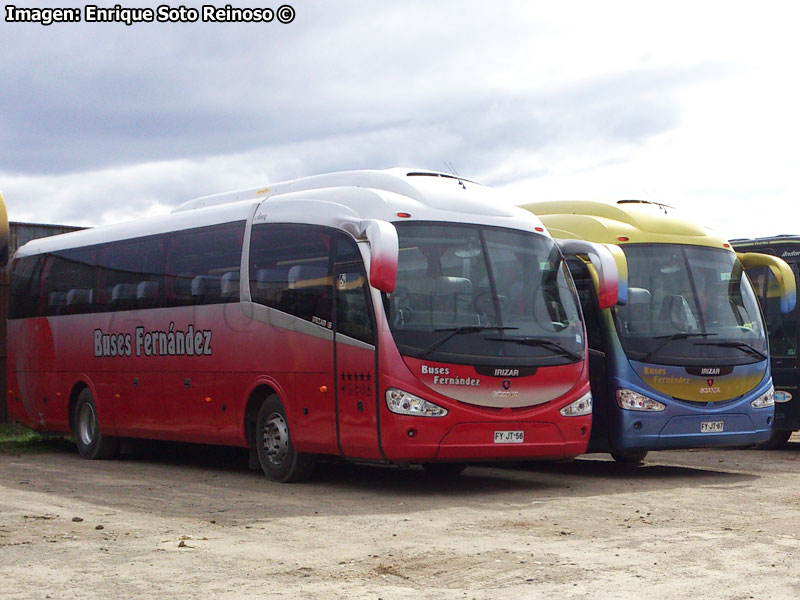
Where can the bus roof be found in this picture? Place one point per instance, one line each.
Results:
(390, 195)
(623, 222)
(766, 241)
(784, 246)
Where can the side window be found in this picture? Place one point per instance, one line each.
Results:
(588, 298)
(69, 282)
(353, 308)
(25, 285)
(202, 265)
(290, 270)
(130, 274)
(782, 329)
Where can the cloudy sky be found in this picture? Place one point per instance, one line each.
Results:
(693, 104)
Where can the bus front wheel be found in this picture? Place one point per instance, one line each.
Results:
(629, 457)
(91, 442)
(276, 453)
(777, 440)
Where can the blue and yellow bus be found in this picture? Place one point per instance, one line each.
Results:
(683, 360)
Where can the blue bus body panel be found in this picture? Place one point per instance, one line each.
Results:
(679, 425)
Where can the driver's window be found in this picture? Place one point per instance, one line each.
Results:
(353, 308)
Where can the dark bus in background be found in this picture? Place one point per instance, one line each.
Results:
(783, 332)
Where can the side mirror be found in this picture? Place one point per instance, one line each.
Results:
(782, 272)
(611, 289)
(384, 250)
(622, 272)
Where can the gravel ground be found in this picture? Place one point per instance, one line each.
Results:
(188, 521)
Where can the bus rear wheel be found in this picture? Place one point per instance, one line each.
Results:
(629, 457)
(279, 460)
(777, 440)
(91, 442)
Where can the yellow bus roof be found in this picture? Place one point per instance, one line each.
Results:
(637, 220)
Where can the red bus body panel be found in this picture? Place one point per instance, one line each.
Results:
(203, 397)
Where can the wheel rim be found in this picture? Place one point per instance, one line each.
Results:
(87, 424)
(276, 439)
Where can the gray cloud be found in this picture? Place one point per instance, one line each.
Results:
(91, 96)
(166, 112)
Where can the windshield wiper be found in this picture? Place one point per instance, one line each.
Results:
(454, 331)
(744, 346)
(671, 338)
(538, 341)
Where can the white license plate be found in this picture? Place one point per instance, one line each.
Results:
(712, 426)
(509, 437)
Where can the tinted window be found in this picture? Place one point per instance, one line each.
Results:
(69, 282)
(353, 312)
(130, 274)
(782, 328)
(24, 290)
(196, 266)
(290, 270)
(202, 265)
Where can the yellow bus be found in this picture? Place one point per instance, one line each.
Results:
(683, 361)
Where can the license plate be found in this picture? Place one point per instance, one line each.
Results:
(509, 437)
(712, 426)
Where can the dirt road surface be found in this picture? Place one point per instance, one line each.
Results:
(190, 522)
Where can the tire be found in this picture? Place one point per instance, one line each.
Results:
(629, 457)
(777, 440)
(276, 453)
(89, 439)
(444, 470)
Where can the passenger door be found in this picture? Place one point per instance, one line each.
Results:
(354, 355)
(598, 366)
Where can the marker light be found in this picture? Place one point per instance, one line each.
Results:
(782, 396)
(765, 400)
(403, 215)
(582, 406)
(623, 238)
(539, 229)
(630, 400)
(403, 403)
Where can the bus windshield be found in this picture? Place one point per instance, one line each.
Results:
(689, 305)
(473, 294)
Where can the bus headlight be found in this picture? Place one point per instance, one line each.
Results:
(630, 400)
(582, 406)
(403, 403)
(765, 400)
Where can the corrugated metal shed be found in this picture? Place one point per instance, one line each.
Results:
(19, 234)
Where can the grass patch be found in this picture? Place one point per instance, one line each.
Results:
(18, 439)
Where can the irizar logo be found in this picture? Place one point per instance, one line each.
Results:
(506, 372)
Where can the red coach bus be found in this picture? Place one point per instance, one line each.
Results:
(387, 316)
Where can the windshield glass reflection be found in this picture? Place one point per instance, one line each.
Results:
(689, 303)
(475, 294)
